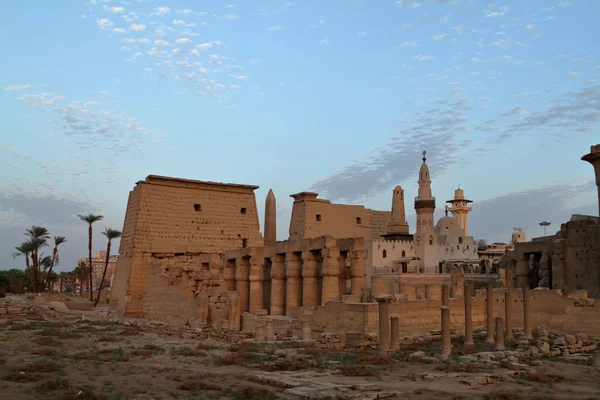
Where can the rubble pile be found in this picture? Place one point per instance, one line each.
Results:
(360, 341)
(561, 344)
(330, 341)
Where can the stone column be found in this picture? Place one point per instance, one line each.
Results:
(508, 314)
(593, 157)
(468, 315)
(445, 295)
(527, 313)
(256, 278)
(395, 342)
(446, 342)
(490, 313)
(522, 269)
(270, 330)
(259, 333)
(358, 265)
(457, 282)
(292, 273)
(270, 219)
(509, 273)
(596, 359)
(384, 324)
(309, 279)
(306, 330)
(241, 283)
(277, 286)
(331, 275)
(499, 334)
(229, 275)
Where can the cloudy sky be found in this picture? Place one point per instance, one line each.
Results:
(338, 97)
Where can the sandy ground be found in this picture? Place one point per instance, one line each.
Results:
(48, 355)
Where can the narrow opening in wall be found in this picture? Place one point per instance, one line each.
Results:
(197, 207)
(358, 220)
(244, 243)
(243, 210)
(318, 217)
(460, 239)
(384, 254)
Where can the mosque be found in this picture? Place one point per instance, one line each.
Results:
(432, 248)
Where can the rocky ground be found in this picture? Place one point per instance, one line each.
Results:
(48, 352)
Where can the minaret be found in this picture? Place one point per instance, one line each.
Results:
(424, 202)
(270, 219)
(460, 208)
(593, 157)
(398, 223)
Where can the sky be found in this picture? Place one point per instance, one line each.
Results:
(337, 97)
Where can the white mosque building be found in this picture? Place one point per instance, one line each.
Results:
(433, 248)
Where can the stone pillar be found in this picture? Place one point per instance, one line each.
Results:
(445, 295)
(270, 330)
(309, 279)
(256, 279)
(395, 342)
(490, 313)
(499, 334)
(457, 282)
(593, 157)
(229, 275)
(384, 324)
(510, 264)
(527, 313)
(259, 333)
(522, 269)
(331, 275)
(241, 283)
(270, 219)
(358, 265)
(446, 342)
(468, 315)
(277, 286)
(596, 359)
(292, 273)
(306, 330)
(434, 292)
(508, 314)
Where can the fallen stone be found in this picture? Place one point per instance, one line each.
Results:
(514, 366)
(416, 356)
(386, 395)
(431, 376)
(478, 381)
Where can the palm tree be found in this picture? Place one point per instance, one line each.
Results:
(90, 219)
(81, 272)
(58, 240)
(24, 249)
(44, 263)
(38, 237)
(110, 235)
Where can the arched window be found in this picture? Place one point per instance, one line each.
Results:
(430, 241)
(403, 253)
(384, 253)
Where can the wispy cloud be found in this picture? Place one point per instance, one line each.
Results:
(420, 57)
(138, 27)
(17, 87)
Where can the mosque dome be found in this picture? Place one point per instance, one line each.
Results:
(445, 222)
(448, 226)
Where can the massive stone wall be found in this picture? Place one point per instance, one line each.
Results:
(179, 218)
(572, 256)
(313, 217)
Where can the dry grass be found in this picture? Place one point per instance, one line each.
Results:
(40, 367)
(503, 395)
(44, 351)
(459, 367)
(252, 393)
(544, 377)
(21, 377)
(106, 338)
(199, 385)
(47, 341)
(52, 385)
(357, 370)
(142, 353)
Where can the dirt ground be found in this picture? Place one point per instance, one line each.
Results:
(60, 356)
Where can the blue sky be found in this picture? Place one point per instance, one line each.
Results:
(339, 97)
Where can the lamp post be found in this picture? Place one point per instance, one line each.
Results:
(544, 224)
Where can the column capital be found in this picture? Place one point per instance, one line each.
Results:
(385, 299)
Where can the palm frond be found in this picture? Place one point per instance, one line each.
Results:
(111, 233)
(90, 218)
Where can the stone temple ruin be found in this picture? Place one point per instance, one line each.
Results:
(192, 253)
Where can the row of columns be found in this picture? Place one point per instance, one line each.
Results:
(294, 279)
(498, 324)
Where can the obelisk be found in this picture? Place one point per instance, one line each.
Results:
(270, 219)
